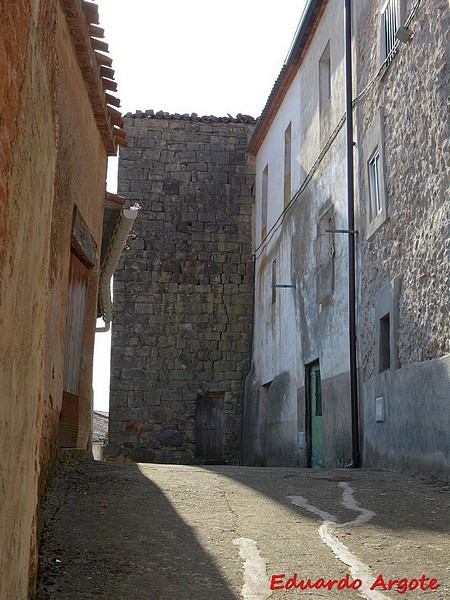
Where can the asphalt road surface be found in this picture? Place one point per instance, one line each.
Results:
(170, 532)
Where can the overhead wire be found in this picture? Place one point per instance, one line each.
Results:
(268, 237)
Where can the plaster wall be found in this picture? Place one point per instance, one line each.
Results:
(413, 435)
(80, 173)
(53, 159)
(27, 198)
(306, 323)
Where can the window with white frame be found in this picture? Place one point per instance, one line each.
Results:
(373, 165)
(390, 22)
(374, 174)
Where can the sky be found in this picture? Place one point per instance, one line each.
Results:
(184, 56)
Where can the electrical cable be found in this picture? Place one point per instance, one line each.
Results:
(268, 237)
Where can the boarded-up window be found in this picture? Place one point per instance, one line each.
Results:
(210, 426)
(76, 310)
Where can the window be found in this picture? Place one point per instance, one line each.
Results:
(385, 343)
(389, 26)
(274, 281)
(287, 164)
(374, 184)
(324, 77)
(325, 255)
(264, 200)
(374, 175)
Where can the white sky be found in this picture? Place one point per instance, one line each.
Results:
(203, 56)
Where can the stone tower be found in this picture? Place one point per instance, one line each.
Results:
(183, 291)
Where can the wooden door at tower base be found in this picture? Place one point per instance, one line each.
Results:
(210, 427)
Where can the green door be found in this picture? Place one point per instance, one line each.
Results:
(316, 415)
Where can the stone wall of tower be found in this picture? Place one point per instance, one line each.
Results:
(183, 291)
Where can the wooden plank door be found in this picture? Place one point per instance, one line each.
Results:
(210, 428)
(73, 349)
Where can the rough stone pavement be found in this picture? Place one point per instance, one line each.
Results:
(169, 532)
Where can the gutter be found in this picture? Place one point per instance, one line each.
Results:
(113, 254)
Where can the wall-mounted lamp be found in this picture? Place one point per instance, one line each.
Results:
(403, 34)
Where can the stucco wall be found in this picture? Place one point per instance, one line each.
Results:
(52, 158)
(309, 322)
(26, 209)
(406, 110)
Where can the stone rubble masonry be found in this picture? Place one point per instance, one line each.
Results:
(183, 291)
(414, 242)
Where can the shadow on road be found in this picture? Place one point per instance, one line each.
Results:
(400, 502)
(112, 534)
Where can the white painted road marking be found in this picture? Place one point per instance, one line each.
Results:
(358, 569)
(256, 582)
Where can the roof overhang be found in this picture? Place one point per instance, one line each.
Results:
(307, 26)
(82, 20)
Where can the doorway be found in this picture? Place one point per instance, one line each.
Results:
(210, 438)
(314, 415)
(76, 310)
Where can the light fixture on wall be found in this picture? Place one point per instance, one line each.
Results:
(403, 34)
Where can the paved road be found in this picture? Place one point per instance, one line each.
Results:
(169, 532)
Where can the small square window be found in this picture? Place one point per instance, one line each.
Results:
(385, 343)
(376, 203)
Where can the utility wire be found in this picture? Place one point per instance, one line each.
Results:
(265, 241)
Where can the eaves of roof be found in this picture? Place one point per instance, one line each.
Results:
(82, 20)
(305, 32)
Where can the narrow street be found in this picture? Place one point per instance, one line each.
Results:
(169, 532)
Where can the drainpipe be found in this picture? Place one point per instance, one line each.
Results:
(116, 245)
(356, 457)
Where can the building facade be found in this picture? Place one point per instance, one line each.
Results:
(297, 406)
(56, 133)
(404, 241)
(183, 291)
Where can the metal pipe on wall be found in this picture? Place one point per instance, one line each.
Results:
(356, 457)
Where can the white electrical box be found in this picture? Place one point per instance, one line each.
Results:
(301, 439)
(379, 409)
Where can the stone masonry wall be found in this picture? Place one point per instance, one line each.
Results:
(414, 241)
(404, 324)
(183, 291)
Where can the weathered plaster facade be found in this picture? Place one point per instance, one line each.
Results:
(183, 293)
(54, 151)
(403, 245)
(306, 324)
(405, 257)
